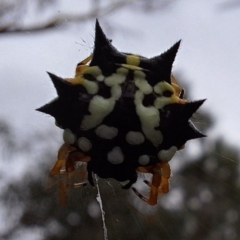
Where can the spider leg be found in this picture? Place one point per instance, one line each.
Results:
(61, 158)
(80, 185)
(159, 184)
(81, 170)
(140, 195)
(63, 193)
(67, 156)
(63, 190)
(176, 86)
(73, 157)
(146, 169)
(166, 172)
(86, 60)
(181, 96)
(148, 183)
(156, 181)
(81, 67)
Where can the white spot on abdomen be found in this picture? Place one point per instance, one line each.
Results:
(100, 78)
(116, 78)
(161, 102)
(68, 136)
(163, 86)
(141, 83)
(144, 160)
(115, 156)
(84, 144)
(116, 92)
(94, 71)
(99, 108)
(167, 155)
(106, 132)
(150, 119)
(134, 138)
(90, 86)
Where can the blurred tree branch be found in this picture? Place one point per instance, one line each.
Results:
(13, 13)
(228, 5)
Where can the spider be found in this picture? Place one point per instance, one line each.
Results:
(122, 114)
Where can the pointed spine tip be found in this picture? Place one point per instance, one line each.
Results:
(199, 103)
(165, 61)
(57, 80)
(172, 51)
(197, 134)
(42, 109)
(53, 76)
(99, 34)
(190, 108)
(203, 135)
(97, 24)
(178, 43)
(50, 74)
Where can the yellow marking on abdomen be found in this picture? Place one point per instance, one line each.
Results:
(80, 69)
(133, 60)
(162, 87)
(131, 67)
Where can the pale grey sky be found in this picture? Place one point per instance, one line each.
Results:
(209, 57)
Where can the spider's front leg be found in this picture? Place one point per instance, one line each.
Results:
(67, 157)
(159, 184)
(61, 159)
(82, 175)
(73, 157)
(81, 67)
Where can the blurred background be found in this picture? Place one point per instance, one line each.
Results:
(54, 35)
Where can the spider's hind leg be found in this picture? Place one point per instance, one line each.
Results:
(159, 184)
(164, 186)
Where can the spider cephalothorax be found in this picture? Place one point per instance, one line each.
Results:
(122, 113)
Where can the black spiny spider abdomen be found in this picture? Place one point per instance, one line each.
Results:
(125, 112)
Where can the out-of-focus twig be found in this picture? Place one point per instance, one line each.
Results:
(97, 11)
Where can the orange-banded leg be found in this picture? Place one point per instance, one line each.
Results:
(82, 176)
(166, 173)
(61, 159)
(179, 90)
(81, 67)
(73, 157)
(64, 186)
(60, 168)
(67, 156)
(159, 184)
